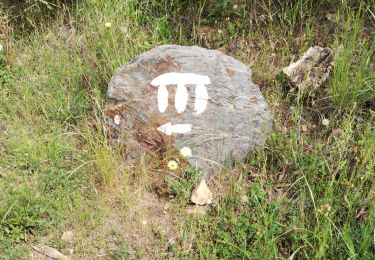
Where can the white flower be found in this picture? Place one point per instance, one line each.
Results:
(185, 152)
(108, 25)
(325, 122)
(235, 7)
(1, 47)
(172, 165)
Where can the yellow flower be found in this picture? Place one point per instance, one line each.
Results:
(185, 152)
(172, 165)
(108, 25)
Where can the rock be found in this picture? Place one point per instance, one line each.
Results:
(188, 97)
(117, 120)
(67, 236)
(50, 252)
(201, 195)
(312, 69)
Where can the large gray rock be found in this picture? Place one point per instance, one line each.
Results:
(214, 109)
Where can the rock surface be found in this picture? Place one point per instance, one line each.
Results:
(312, 69)
(188, 97)
(201, 195)
(50, 252)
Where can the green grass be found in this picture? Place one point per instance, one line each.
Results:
(354, 85)
(309, 193)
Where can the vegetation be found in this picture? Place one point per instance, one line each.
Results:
(309, 193)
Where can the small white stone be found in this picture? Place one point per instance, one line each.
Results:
(144, 222)
(201, 195)
(117, 119)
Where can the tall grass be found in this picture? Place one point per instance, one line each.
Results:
(27, 15)
(353, 74)
(307, 194)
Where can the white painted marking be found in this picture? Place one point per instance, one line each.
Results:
(201, 99)
(162, 98)
(181, 98)
(180, 78)
(169, 129)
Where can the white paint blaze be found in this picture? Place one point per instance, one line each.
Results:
(169, 129)
(162, 98)
(201, 99)
(180, 78)
(181, 98)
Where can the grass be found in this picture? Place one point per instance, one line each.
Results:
(309, 193)
(353, 85)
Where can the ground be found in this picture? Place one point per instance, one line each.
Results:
(308, 193)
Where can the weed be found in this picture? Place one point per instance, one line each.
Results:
(183, 185)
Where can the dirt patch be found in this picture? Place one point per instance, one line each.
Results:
(148, 225)
(137, 223)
